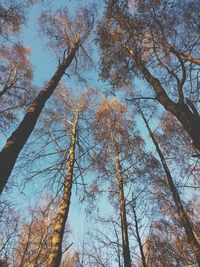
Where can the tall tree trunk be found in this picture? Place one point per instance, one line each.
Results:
(190, 119)
(139, 239)
(19, 137)
(192, 237)
(61, 218)
(125, 240)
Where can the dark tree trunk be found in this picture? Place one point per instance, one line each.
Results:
(124, 228)
(187, 117)
(19, 137)
(139, 239)
(191, 235)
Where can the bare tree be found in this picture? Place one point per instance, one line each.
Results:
(185, 221)
(9, 224)
(15, 82)
(71, 43)
(114, 129)
(34, 235)
(71, 112)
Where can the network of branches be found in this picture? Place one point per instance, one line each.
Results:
(100, 160)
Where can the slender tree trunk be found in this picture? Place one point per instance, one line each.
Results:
(187, 117)
(192, 237)
(61, 218)
(19, 137)
(139, 239)
(125, 240)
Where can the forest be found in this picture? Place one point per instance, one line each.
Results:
(100, 133)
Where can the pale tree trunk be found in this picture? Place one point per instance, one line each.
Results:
(17, 140)
(191, 235)
(125, 240)
(61, 218)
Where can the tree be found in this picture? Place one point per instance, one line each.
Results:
(71, 44)
(113, 128)
(9, 223)
(12, 16)
(166, 246)
(185, 221)
(34, 241)
(154, 40)
(102, 246)
(61, 218)
(138, 237)
(16, 91)
(70, 120)
(15, 82)
(15, 68)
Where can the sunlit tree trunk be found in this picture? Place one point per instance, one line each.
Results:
(125, 240)
(61, 218)
(192, 236)
(19, 137)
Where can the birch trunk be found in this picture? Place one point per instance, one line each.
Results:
(61, 218)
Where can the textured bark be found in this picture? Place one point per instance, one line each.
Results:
(139, 239)
(125, 240)
(19, 137)
(192, 237)
(189, 119)
(61, 218)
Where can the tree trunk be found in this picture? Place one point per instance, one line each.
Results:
(19, 137)
(61, 218)
(188, 118)
(125, 240)
(139, 239)
(192, 237)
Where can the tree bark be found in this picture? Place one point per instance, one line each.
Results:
(125, 240)
(189, 119)
(192, 237)
(19, 137)
(61, 218)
